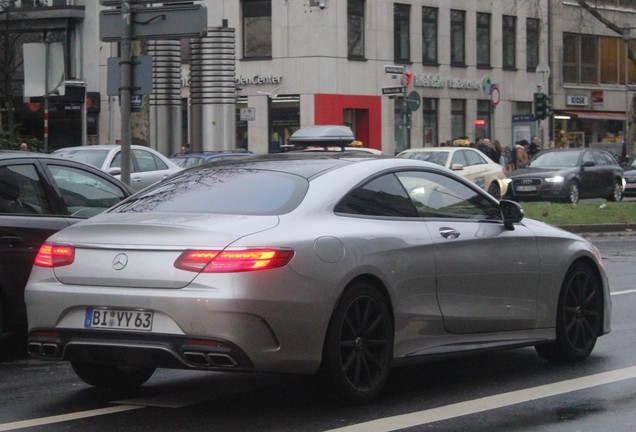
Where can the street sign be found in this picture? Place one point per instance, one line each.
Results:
(394, 70)
(248, 114)
(398, 90)
(136, 103)
(165, 22)
(141, 75)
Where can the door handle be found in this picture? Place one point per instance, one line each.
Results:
(449, 233)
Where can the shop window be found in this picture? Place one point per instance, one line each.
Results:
(401, 126)
(458, 118)
(401, 33)
(483, 113)
(430, 121)
(509, 41)
(284, 115)
(533, 26)
(257, 29)
(483, 40)
(458, 38)
(355, 28)
(429, 35)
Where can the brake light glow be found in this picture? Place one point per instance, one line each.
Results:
(51, 255)
(231, 261)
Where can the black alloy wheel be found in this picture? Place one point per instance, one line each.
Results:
(573, 193)
(116, 377)
(359, 344)
(617, 192)
(579, 317)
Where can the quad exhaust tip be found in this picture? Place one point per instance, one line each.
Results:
(219, 360)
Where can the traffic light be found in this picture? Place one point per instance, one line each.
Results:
(540, 106)
(548, 106)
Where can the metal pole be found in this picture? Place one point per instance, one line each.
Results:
(125, 89)
(45, 129)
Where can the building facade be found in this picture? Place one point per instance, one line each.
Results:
(471, 68)
(592, 89)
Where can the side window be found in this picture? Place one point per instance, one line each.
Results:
(383, 196)
(21, 191)
(603, 159)
(147, 161)
(473, 158)
(116, 162)
(458, 158)
(588, 157)
(85, 194)
(438, 196)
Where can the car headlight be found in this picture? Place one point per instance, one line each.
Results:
(555, 179)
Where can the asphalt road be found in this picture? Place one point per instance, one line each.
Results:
(502, 391)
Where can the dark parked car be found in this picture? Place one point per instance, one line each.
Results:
(190, 159)
(568, 175)
(630, 178)
(39, 195)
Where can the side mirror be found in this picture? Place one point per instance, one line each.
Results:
(511, 213)
(588, 164)
(114, 171)
(457, 167)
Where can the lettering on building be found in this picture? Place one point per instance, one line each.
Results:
(430, 81)
(258, 80)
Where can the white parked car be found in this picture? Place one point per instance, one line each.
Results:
(147, 166)
(467, 162)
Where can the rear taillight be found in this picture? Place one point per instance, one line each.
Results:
(229, 261)
(51, 255)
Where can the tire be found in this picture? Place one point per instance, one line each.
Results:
(359, 345)
(573, 193)
(617, 192)
(112, 376)
(579, 317)
(494, 190)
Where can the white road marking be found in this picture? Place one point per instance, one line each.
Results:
(66, 417)
(489, 403)
(384, 424)
(624, 292)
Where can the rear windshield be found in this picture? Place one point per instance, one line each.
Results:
(438, 158)
(91, 157)
(222, 191)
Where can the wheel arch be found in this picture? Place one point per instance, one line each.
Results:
(368, 279)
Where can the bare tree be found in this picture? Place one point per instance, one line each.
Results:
(625, 33)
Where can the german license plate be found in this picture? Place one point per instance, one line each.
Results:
(526, 188)
(118, 319)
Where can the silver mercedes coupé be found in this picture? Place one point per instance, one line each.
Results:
(337, 264)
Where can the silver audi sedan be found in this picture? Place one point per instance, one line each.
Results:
(339, 264)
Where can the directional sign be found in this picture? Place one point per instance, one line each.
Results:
(394, 70)
(393, 90)
(165, 22)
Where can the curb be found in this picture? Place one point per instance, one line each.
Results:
(602, 229)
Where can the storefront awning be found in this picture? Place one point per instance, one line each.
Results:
(594, 115)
